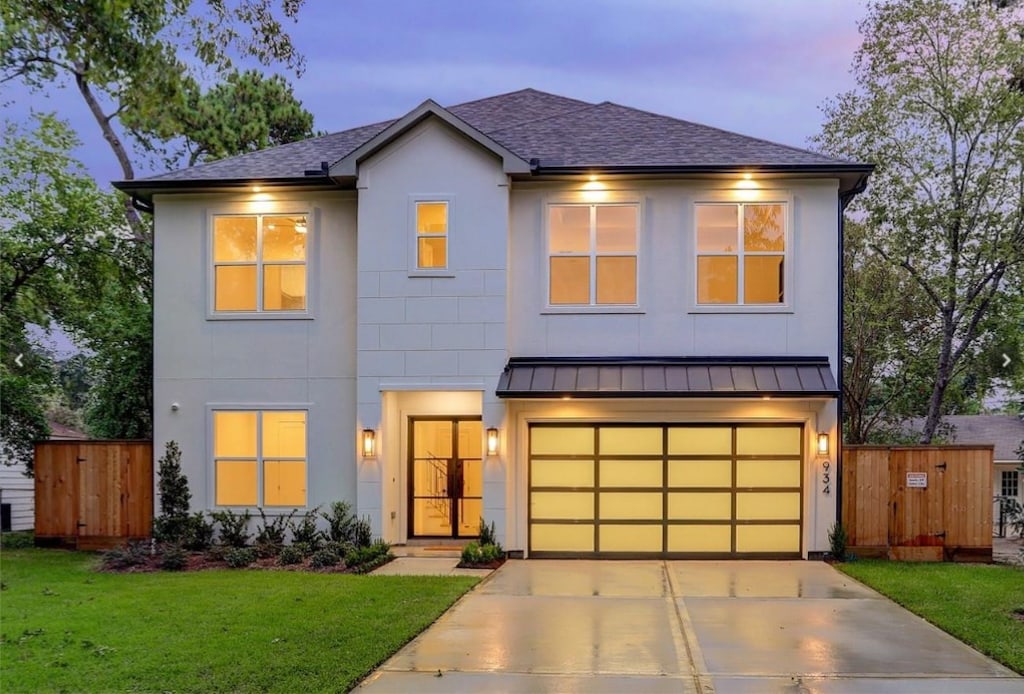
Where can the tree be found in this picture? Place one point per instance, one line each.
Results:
(936, 108)
(123, 57)
(61, 238)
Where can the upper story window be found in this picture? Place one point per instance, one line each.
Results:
(431, 235)
(592, 254)
(259, 457)
(259, 263)
(741, 253)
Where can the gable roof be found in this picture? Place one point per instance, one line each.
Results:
(554, 134)
(1005, 432)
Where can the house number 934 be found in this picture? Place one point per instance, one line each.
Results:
(826, 477)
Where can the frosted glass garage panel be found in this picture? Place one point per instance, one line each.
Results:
(768, 538)
(562, 473)
(768, 440)
(699, 538)
(562, 440)
(768, 505)
(700, 441)
(700, 473)
(629, 538)
(562, 505)
(561, 538)
(631, 473)
(768, 473)
(630, 505)
(700, 506)
(630, 440)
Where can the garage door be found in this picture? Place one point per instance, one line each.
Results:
(665, 490)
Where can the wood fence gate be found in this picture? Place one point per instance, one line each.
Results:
(918, 503)
(93, 494)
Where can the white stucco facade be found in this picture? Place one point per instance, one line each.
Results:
(382, 342)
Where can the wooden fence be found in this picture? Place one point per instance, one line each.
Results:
(918, 503)
(93, 494)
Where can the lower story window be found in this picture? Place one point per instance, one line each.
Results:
(1010, 483)
(259, 457)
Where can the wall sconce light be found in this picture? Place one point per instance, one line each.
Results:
(823, 443)
(369, 443)
(492, 441)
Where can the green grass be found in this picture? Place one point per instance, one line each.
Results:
(973, 602)
(66, 628)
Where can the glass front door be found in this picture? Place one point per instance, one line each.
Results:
(445, 477)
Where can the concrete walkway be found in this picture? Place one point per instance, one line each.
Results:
(588, 626)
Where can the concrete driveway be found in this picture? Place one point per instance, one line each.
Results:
(652, 626)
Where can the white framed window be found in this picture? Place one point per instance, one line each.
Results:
(431, 223)
(259, 457)
(259, 264)
(592, 254)
(741, 253)
(1010, 483)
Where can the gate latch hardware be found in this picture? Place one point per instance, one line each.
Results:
(942, 534)
(940, 466)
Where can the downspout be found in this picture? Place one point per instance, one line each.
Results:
(845, 197)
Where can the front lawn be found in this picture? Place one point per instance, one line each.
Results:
(980, 604)
(66, 628)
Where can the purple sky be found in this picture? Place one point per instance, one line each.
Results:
(759, 67)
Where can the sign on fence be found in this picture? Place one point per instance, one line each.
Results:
(917, 480)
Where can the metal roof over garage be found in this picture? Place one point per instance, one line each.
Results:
(667, 377)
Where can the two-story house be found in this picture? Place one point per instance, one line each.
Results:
(610, 332)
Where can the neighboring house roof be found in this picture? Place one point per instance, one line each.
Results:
(666, 377)
(554, 134)
(1005, 432)
(60, 432)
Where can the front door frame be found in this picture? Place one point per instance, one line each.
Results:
(411, 473)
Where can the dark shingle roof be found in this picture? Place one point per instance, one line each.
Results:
(556, 130)
(1005, 432)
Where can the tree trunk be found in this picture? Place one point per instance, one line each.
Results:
(943, 375)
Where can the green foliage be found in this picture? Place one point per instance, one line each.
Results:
(324, 558)
(199, 533)
(937, 109)
(173, 558)
(475, 554)
(837, 540)
(239, 557)
(306, 531)
(488, 536)
(127, 556)
(341, 522)
(173, 522)
(273, 532)
(17, 540)
(363, 560)
(234, 527)
(290, 555)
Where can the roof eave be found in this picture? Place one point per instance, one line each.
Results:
(145, 189)
(349, 164)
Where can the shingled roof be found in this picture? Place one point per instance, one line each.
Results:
(554, 133)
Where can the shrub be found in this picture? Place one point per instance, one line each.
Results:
(128, 555)
(362, 533)
(174, 558)
(239, 557)
(323, 558)
(290, 554)
(488, 536)
(18, 540)
(476, 553)
(302, 548)
(340, 522)
(365, 559)
(837, 539)
(234, 528)
(172, 523)
(270, 534)
(339, 548)
(305, 531)
(199, 533)
(471, 553)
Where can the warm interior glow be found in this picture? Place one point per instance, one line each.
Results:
(369, 443)
(741, 253)
(245, 441)
(823, 443)
(241, 244)
(492, 441)
(431, 235)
